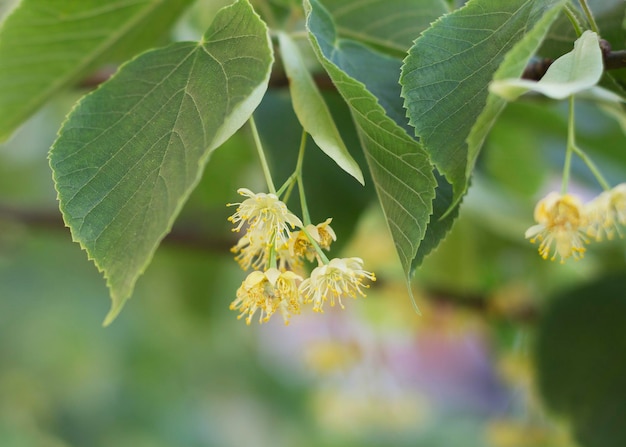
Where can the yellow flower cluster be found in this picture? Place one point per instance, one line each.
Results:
(275, 250)
(565, 224)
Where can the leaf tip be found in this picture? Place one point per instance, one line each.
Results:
(116, 308)
(413, 302)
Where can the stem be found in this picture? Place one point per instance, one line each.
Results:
(571, 15)
(573, 148)
(592, 167)
(288, 185)
(589, 14)
(272, 259)
(306, 218)
(571, 144)
(259, 148)
(318, 249)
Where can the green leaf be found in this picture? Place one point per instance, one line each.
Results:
(574, 72)
(311, 109)
(581, 362)
(440, 224)
(47, 45)
(131, 152)
(393, 25)
(400, 169)
(447, 71)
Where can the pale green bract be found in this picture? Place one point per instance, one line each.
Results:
(312, 111)
(130, 153)
(575, 72)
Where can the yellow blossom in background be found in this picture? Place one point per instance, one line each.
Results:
(268, 292)
(340, 278)
(561, 222)
(606, 212)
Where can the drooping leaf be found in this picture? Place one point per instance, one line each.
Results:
(581, 360)
(578, 70)
(311, 109)
(47, 45)
(400, 169)
(392, 25)
(446, 74)
(130, 153)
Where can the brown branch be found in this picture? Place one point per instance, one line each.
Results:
(615, 60)
(183, 235)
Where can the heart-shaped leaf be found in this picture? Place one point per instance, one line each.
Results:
(131, 152)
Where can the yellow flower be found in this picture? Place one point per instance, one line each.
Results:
(267, 292)
(340, 278)
(269, 222)
(266, 216)
(252, 252)
(560, 222)
(300, 246)
(606, 212)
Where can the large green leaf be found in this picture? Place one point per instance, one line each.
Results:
(47, 44)
(393, 25)
(130, 153)
(312, 111)
(446, 75)
(400, 169)
(581, 355)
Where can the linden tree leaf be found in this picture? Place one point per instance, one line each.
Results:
(401, 170)
(45, 45)
(393, 25)
(574, 72)
(441, 221)
(448, 69)
(312, 111)
(131, 152)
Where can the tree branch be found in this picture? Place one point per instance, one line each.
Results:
(183, 235)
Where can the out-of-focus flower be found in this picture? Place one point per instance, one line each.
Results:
(268, 292)
(561, 222)
(340, 278)
(606, 212)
